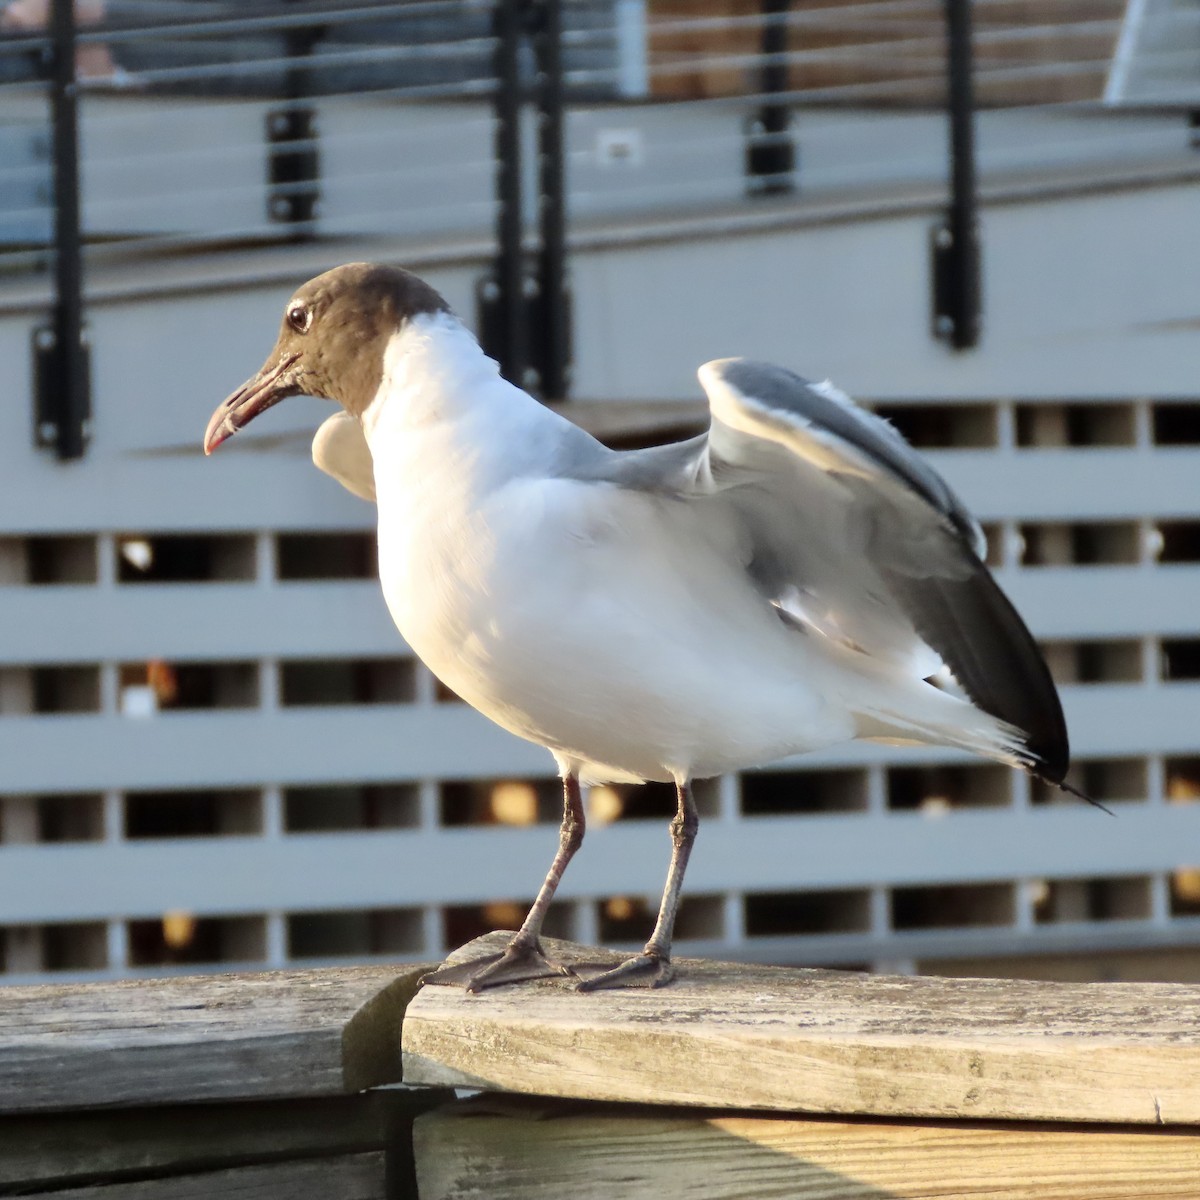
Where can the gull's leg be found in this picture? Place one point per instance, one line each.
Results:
(523, 959)
(652, 968)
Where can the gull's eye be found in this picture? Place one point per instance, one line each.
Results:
(299, 317)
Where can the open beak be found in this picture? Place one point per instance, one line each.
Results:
(276, 381)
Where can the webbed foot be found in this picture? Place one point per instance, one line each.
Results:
(645, 970)
(519, 962)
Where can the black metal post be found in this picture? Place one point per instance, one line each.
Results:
(956, 253)
(63, 417)
(503, 325)
(552, 334)
(770, 148)
(524, 306)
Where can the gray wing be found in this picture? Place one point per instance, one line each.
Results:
(854, 534)
(341, 451)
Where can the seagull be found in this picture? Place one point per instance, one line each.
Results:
(795, 578)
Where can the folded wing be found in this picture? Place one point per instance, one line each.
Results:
(341, 451)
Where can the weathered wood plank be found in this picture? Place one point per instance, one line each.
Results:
(73, 1148)
(204, 1037)
(544, 1150)
(349, 1177)
(752, 1037)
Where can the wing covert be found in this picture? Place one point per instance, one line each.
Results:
(883, 556)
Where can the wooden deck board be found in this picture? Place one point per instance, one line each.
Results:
(202, 1038)
(544, 1150)
(750, 1037)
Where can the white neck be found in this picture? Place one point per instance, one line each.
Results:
(443, 409)
(433, 370)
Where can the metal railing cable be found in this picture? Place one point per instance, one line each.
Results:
(890, 47)
(204, 123)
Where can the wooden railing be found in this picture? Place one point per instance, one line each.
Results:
(736, 1081)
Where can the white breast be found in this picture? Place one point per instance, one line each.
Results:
(566, 610)
(450, 441)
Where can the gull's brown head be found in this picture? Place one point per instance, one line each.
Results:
(331, 343)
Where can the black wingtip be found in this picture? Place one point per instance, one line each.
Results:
(1062, 785)
(1049, 749)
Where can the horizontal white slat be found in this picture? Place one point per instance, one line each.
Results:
(225, 621)
(233, 748)
(277, 487)
(416, 741)
(796, 853)
(365, 870)
(198, 622)
(1106, 601)
(1074, 484)
(180, 492)
(983, 941)
(1110, 720)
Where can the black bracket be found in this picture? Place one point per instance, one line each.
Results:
(55, 422)
(62, 386)
(294, 165)
(523, 301)
(956, 285)
(771, 155)
(772, 159)
(546, 318)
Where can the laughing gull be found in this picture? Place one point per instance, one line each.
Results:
(793, 579)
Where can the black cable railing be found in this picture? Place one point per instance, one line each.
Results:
(452, 60)
(207, 123)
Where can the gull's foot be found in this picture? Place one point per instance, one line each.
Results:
(518, 963)
(643, 970)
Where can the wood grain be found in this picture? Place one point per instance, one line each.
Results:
(752, 1037)
(543, 1151)
(196, 1038)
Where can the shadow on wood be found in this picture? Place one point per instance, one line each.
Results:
(509, 1148)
